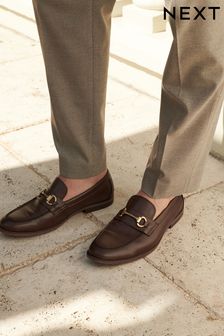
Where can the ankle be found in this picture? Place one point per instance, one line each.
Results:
(90, 179)
(155, 200)
(77, 186)
(159, 203)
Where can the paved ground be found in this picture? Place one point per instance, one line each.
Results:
(47, 285)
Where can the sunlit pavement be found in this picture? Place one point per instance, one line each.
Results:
(47, 285)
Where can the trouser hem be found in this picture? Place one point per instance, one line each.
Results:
(156, 188)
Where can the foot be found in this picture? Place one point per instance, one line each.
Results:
(78, 186)
(159, 203)
(53, 206)
(132, 233)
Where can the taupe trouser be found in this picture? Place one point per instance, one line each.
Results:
(75, 38)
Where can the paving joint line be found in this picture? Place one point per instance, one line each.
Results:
(135, 65)
(14, 31)
(25, 164)
(5, 271)
(19, 128)
(94, 219)
(21, 15)
(205, 189)
(133, 88)
(213, 315)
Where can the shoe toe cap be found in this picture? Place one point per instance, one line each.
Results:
(111, 246)
(8, 223)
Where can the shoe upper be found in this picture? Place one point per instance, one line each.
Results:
(123, 238)
(48, 208)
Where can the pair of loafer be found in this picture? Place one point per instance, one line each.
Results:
(130, 235)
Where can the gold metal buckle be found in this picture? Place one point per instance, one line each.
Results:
(50, 199)
(138, 219)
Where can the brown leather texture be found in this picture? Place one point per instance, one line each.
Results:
(48, 211)
(132, 233)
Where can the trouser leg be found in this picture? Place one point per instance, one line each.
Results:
(75, 36)
(191, 98)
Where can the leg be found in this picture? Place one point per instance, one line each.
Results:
(192, 94)
(74, 36)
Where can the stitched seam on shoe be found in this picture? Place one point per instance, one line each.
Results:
(64, 207)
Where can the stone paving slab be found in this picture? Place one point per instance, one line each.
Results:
(19, 184)
(68, 295)
(192, 253)
(14, 48)
(23, 7)
(134, 78)
(24, 94)
(146, 48)
(41, 152)
(16, 181)
(17, 20)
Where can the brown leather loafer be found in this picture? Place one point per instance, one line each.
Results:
(132, 233)
(48, 211)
